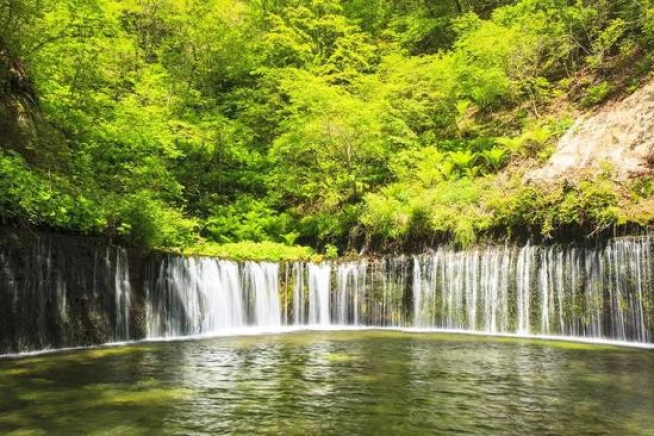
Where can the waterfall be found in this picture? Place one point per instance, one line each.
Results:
(299, 317)
(264, 290)
(604, 292)
(58, 291)
(523, 288)
(349, 298)
(192, 296)
(319, 288)
(123, 293)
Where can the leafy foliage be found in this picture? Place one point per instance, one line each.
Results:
(321, 122)
(256, 251)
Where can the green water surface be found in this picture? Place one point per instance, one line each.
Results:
(333, 383)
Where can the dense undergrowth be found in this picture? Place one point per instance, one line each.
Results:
(211, 126)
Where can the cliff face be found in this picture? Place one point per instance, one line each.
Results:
(620, 134)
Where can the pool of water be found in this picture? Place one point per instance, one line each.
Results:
(340, 383)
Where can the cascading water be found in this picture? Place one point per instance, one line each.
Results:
(123, 291)
(319, 289)
(262, 283)
(356, 293)
(201, 295)
(299, 314)
(350, 292)
(585, 292)
(193, 296)
(60, 292)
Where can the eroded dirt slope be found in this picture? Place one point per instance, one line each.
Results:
(620, 135)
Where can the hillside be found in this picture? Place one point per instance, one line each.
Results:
(353, 126)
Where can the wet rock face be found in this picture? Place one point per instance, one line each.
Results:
(58, 291)
(620, 135)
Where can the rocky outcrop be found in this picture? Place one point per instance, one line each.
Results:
(17, 102)
(620, 135)
(23, 128)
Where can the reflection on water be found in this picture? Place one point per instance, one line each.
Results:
(355, 382)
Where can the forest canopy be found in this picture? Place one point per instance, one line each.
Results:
(337, 125)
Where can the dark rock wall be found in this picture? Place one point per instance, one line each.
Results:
(61, 291)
